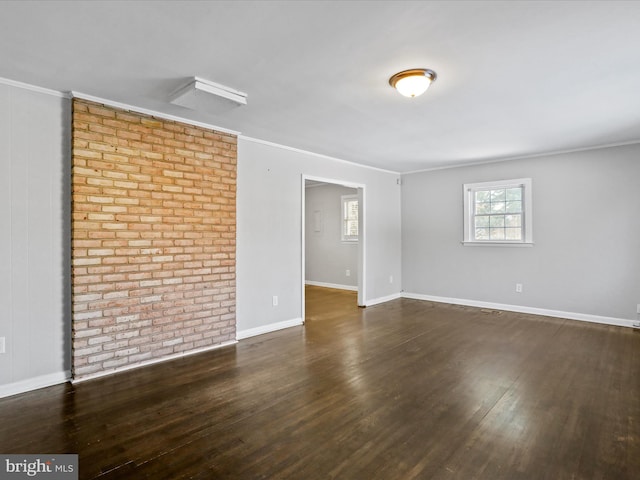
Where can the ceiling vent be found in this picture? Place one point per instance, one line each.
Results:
(206, 96)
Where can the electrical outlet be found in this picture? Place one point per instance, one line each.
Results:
(638, 309)
(2, 345)
(518, 288)
(275, 301)
(390, 278)
(348, 273)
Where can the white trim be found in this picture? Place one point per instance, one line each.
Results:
(362, 246)
(153, 362)
(498, 244)
(362, 243)
(303, 247)
(337, 286)
(213, 87)
(388, 298)
(34, 383)
(583, 317)
(207, 86)
(525, 184)
(272, 327)
(524, 157)
(333, 181)
(314, 185)
(34, 88)
(320, 155)
(153, 113)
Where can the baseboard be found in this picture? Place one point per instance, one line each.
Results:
(153, 362)
(272, 327)
(583, 317)
(376, 301)
(34, 383)
(331, 285)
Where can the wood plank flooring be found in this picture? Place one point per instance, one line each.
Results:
(403, 390)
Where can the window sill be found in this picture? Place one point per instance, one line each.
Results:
(497, 244)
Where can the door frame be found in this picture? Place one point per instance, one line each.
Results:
(362, 266)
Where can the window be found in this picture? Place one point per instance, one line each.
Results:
(498, 212)
(349, 218)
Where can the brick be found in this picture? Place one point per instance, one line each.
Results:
(153, 235)
(87, 315)
(98, 128)
(101, 147)
(101, 111)
(85, 332)
(100, 339)
(109, 364)
(127, 117)
(100, 252)
(79, 152)
(83, 371)
(86, 352)
(116, 346)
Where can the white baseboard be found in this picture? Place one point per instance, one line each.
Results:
(34, 383)
(154, 361)
(331, 285)
(376, 301)
(583, 317)
(272, 327)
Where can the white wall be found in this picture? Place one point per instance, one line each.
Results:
(586, 221)
(327, 257)
(269, 235)
(34, 244)
(585, 258)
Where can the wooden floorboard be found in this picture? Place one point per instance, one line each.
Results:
(403, 390)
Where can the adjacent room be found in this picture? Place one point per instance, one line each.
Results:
(357, 239)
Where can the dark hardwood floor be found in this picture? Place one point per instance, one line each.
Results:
(403, 390)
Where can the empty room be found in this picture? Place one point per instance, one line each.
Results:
(383, 240)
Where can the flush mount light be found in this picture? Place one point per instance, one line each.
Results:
(414, 82)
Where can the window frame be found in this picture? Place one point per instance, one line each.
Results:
(343, 219)
(469, 190)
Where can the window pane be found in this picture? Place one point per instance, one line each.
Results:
(513, 233)
(483, 208)
(349, 217)
(482, 221)
(498, 195)
(495, 212)
(514, 207)
(483, 196)
(513, 220)
(496, 221)
(482, 234)
(514, 194)
(352, 209)
(496, 233)
(497, 207)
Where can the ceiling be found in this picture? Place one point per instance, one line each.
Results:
(514, 78)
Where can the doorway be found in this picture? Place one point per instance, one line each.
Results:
(333, 240)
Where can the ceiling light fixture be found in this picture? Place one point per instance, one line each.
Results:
(414, 82)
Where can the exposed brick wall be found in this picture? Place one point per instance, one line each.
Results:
(153, 238)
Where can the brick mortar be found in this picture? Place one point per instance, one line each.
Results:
(153, 238)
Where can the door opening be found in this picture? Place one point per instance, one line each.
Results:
(333, 236)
